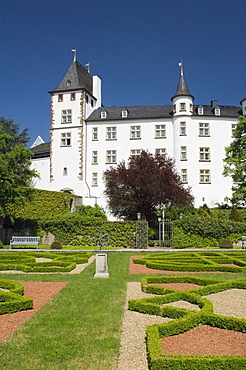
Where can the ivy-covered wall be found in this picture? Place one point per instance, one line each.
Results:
(74, 230)
(42, 203)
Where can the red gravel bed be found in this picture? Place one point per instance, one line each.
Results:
(205, 340)
(135, 268)
(178, 286)
(41, 293)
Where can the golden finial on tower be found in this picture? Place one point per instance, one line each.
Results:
(89, 67)
(181, 68)
(75, 55)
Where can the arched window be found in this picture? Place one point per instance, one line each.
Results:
(65, 171)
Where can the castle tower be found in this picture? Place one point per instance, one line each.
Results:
(71, 103)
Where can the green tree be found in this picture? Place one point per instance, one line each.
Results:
(15, 171)
(11, 128)
(145, 185)
(235, 162)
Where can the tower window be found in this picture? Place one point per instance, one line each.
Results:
(67, 116)
(183, 153)
(182, 107)
(65, 171)
(182, 128)
(184, 176)
(66, 139)
(72, 97)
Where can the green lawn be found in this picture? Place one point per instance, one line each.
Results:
(80, 327)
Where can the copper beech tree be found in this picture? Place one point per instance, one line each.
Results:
(144, 185)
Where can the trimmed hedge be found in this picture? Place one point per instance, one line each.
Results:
(195, 261)
(26, 261)
(13, 300)
(186, 320)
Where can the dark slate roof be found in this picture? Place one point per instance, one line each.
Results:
(77, 77)
(182, 88)
(158, 111)
(41, 151)
(137, 112)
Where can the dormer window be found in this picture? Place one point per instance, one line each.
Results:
(217, 111)
(103, 114)
(124, 113)
(182, 107)
(200, 111)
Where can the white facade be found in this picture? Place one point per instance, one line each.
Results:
(86, 139)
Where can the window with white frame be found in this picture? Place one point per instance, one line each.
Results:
(66, 139)
(204, 154)
(233, 128)
(103, 114)
(67, 116)
(94, 133)
(183, 153)
(161, 152)
(160, 131)
(184, 175)
(135, 152)
(204, 129)
(94, 179)
(111, 156)
(217, 111)
(182, 128)
(94, 157)
(182, 107)
(111, 133)
(135, 132)
(200, 111)
(205, 177)
(124, 113)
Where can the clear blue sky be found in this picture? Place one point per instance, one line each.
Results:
(133, 45)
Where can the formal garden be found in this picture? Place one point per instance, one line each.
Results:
(80, 324)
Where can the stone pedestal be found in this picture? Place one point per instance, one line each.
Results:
(101, 265)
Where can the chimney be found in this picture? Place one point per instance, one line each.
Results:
(214, 103)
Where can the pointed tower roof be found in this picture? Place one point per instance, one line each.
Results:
(77, 77)
(182, 89)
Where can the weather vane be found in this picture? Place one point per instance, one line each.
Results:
(75, 56)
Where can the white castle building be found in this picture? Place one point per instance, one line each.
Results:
(86, 138)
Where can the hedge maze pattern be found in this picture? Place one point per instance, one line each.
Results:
(11, 297)
(185, 319)
(26, 261)
(196, 261)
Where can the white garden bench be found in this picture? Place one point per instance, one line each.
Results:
(25, 240)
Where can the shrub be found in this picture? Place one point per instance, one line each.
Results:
(1, 244)
(235, 215)
(56, 245)
(226, 244)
